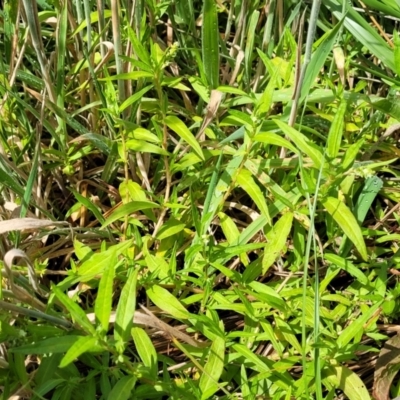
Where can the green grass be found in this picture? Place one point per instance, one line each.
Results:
(202, 199)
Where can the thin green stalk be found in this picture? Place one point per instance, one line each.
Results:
(310, 237)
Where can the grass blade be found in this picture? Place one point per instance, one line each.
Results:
(210, 46)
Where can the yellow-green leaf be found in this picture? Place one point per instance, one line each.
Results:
(213, 369)
(167, 302)
(336, 131)
(301, 141)
(246, 181)
(343, 378)
(145, 349)
(81, 346)
(182, 130)
(347, 222)
(277, 240)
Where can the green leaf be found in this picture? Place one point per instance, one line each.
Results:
(103, 305)
(246, 181)
(347, 222)
(144, 147)
(274, 139)
(88, 204)
(97, 262)
(134, 98)
(167, 302)
(336, 131)
(127, 209)
(351, 154)
(145, 349)
(301, 141)
(213, 368)
(355, 327)
(123, 389)
(170, 228)
(126, 310)
(181, 129)
(133, 75)
(348, 267)
(251, 357)
(276, 240)
(210, 45)
(51, 345)
(76, 312)
(343, 378)
(396, 52)
(82, 345)
(318, 59)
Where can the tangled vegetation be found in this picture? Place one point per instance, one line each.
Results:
(200, 199)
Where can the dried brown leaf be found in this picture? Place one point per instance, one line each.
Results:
(386, 368)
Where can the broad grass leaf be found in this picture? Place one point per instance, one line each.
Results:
(77, 313)
(251, 357)
(367, 196)
(269, 295)
(97, 262)
(158, 264)
(351, 154)
(252, 32)
(213, 369)
(396, 52)
(144, 147)
(348, 267)
(175, 124)
(274, 139)
(81, 346)
(370, 190)
(360, 29)
(145, 349)
(89, 205)
(127, 209)
(103, 304)
(347, 222)
(170, 228)
(218, 188)
(134, 98)
(355, 327)
(247, 183)
(122, 389)
(277, 240)
(126, 310)
(386, 368)
(336, 131)
(53, 345)
(164, 300)
(343, 378)
(133, 75)
(210, 43)
(318, 59)
(302, 143)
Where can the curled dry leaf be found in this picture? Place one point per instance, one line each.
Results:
(20, 224)
(386, 368)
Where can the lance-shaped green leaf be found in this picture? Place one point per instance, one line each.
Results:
(182, 130)
(167, 302)
(246, 181)
(347, 222)
(336, 131)
(302, 143)
(213, 368)
(210, 47)
(277, 240)
(81, 346)
(102, 307)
